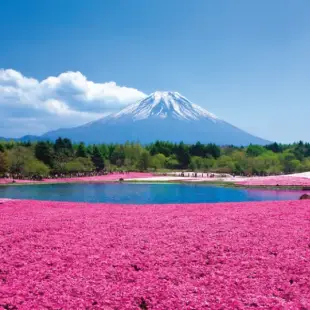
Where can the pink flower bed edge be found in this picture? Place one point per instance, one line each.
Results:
(274, 181)
(102, 178)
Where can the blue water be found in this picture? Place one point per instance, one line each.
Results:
(142, 193)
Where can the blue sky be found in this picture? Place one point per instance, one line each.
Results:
(245, 61)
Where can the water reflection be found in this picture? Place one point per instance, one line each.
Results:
(143, 193)
(274, 194)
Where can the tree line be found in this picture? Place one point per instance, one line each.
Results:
(63, 157)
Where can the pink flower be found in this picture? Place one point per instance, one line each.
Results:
(204, 256)
(101, 178)
(274, 181)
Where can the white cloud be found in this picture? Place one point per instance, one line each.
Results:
(66, 100)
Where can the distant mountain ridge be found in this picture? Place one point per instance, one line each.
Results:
(166, 116)
(27, 138)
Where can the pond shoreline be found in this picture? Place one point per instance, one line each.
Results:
(151, 179)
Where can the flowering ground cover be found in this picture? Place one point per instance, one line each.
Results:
(103, 256)
(275, 180)
(101, 178)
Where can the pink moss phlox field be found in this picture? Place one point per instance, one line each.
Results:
(8, 181)
(101, 178)
(274, 181)
(103, 256)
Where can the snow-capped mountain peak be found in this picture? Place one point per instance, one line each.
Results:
(164, 116)
(163, 105)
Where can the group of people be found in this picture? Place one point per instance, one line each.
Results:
(78, 174)
(221, 175)
(201, 175)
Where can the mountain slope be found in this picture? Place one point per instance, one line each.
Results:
(161, 116)
(28, 138)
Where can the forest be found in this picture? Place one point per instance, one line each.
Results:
(62, 157)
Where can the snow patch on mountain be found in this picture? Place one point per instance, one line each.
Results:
(164, 105)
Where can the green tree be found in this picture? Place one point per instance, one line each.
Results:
(161, 147)
(64, 147)
(197, 163)
(144, 161)
(212, 150)
(274, 147)
(87, 163)
(59, 145)
(225, 164)
(44, 152)
(300, 150)
(81, 150)
(4, 163)
(104, 150)
(97, 158)
(289, 162)
(80, 164)
(158, 161)
(255, 150)
(18, 156)
(172, 162)
(208, 163)
(132, 153)
(183, 156)
(35, 167)
(197, 150)
(118, 156)
(107, 164)
(89, 150)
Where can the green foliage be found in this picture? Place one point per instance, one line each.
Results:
(62, 156)
(18, 157)
(197, 163)
(107, 165)
(144, 161)
(208, 150)
(4, 163)
(104, 150)
(183, 156)
(63, 147)
(97, 158)
(34, 167)
(161, 147)
(80, 164)
(158, 161)
(172, 163)
(255, 150)
(225, 164)
(89, 150)
(213, 151)
(132, 153)
(81, 150)
(118, 156)
(209, 163)
(274, 147)
(44, 152)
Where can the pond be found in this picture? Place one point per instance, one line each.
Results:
(142, 193)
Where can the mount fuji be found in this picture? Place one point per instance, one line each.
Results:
(166, 116)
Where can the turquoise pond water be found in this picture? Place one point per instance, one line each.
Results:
(142, 193)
